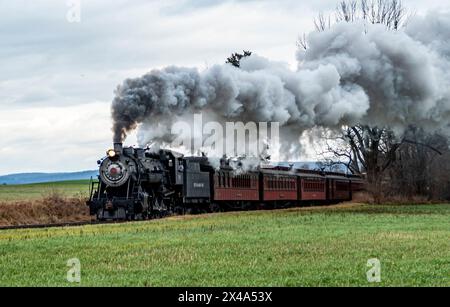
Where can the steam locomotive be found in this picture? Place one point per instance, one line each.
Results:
(137, 183)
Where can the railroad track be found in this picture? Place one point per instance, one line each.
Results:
(58, 225)
(72, 224)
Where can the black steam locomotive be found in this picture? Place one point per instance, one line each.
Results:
(137, 183)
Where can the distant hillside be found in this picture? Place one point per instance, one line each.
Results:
(27, 178)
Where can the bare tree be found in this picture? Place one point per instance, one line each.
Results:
(421, 167)
(415, 165)
(391, 13)
(235, 58)
(347, 11)
(365, 151)
(322, 23)
(390, 165)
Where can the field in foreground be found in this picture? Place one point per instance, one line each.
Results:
(326, 246)
(78, 188)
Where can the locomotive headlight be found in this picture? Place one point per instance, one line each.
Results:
(111, 153)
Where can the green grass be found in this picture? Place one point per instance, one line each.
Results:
(298, 247)
(38, 190)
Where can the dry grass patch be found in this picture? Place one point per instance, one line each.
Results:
(53, 207)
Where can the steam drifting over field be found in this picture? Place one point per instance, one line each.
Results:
(351, 73)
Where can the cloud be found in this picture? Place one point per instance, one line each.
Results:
(53, 138)
(48, 63)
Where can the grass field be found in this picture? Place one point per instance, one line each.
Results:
(327, 246)
(38, 190)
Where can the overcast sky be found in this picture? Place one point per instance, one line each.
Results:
(57, 78)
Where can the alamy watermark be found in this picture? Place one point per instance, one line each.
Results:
(74, 273)
(230, 138)
(73, 14)
(374, 273)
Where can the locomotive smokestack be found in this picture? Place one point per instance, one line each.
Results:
(118, 148)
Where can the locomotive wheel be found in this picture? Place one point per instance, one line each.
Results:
(215, 208)
(189, 211)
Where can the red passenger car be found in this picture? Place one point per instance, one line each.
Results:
(339, 188)
(278, 187)
(357, 184)
(232, 187)
(312, 186)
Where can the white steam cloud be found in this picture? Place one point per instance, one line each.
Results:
(351, 73)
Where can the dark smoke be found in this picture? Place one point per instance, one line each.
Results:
(351, 73)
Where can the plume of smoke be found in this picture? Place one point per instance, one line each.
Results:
(404, 77)
(351, 73)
